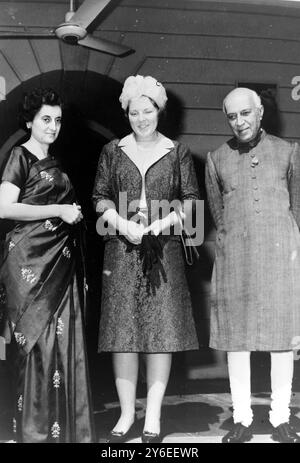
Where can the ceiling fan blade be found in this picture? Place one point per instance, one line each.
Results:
(88, 11)
(12, 34)
(106, 46)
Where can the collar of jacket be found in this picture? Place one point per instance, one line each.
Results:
(129, 146)
(246, 147)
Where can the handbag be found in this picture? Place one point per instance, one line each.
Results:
(189, 248)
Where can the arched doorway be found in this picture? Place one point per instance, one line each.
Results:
(92, 116)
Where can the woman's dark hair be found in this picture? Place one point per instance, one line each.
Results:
(33, 101)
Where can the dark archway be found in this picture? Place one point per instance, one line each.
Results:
(92, 116)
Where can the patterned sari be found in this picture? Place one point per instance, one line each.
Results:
(53, 402)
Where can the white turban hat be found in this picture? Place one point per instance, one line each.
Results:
(136, 86)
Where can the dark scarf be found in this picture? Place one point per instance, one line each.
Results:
(245, 147)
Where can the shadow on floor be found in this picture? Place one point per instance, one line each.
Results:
(192, 408)
(177, 418)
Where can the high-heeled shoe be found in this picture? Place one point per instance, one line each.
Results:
(151, 438)
(115, 437)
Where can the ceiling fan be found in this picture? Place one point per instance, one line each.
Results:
(74, 29)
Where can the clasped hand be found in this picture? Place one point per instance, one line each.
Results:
(135, 232)
(150, 249)
(71, 213)
(161, 225)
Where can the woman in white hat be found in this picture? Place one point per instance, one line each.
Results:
(146, 306)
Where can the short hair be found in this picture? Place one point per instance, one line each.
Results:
(33, 102)
(255, 96)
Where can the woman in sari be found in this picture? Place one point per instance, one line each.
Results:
(53, 401)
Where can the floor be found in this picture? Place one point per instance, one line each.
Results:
(198, 418)
(194, 411)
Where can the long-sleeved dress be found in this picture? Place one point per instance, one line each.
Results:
(43, 304)
(144, 313)
(254, 197)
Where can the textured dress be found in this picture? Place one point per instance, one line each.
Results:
(38, 279)
(254, 197)
(144, 313)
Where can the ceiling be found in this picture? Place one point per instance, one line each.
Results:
(272, 3)
(67, 2)
(292, 3)
(286, 3)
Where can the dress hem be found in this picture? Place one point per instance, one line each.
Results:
(147, 351)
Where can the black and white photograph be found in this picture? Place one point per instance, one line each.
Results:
(149, 225)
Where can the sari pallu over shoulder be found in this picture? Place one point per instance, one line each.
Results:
(39, 261)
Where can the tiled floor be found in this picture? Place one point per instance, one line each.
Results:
(189, 415)
(198, 418)
(192, 418)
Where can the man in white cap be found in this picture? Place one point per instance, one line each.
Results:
(253, 187)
